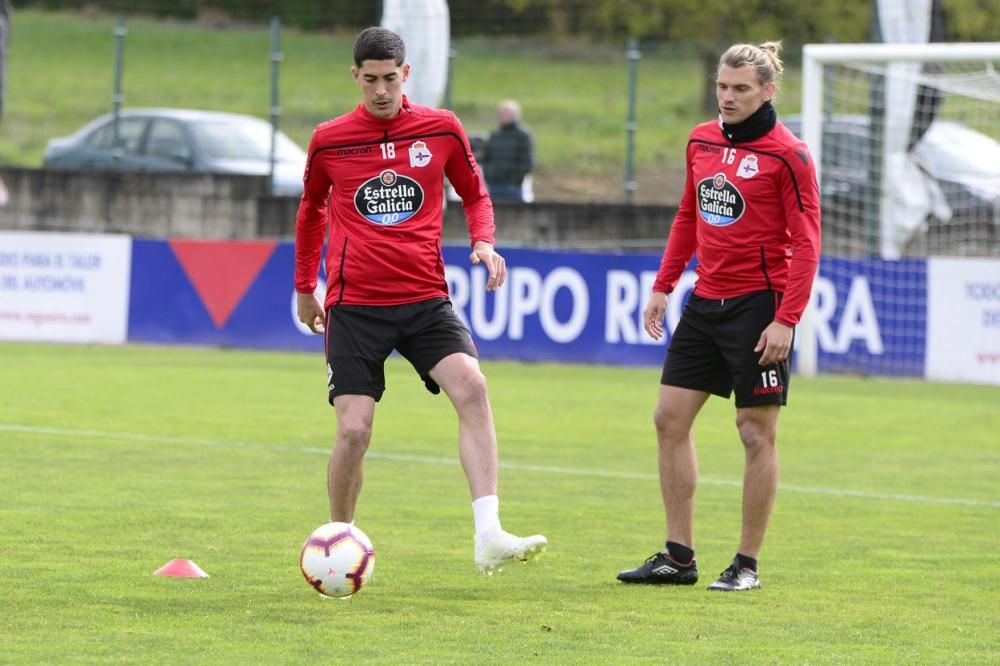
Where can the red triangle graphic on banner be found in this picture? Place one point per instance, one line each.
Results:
(222, 271)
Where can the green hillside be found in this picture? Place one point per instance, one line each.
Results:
(61, 69)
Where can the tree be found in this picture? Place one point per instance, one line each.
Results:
(711, 24)
(972, 20)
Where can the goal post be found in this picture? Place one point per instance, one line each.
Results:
(816, 56)
(873, 116)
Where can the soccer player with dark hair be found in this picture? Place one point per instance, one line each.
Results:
(374, 185)
(750, 214)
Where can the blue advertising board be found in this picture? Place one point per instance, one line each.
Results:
(871, 316)
(556, 306)
(201, 303)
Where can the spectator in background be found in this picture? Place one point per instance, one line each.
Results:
(509, 156)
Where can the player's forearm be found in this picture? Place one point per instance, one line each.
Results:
(797, 291)
(310, 229)
(479, 217)
(680, 248)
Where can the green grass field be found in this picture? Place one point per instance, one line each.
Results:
(61, 72)
(883, 546)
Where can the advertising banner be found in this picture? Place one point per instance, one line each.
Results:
(57, 287)
(937, 318)
(219, 293)
(556, 306)
(871, 316)
(963, 320)
(563, 306)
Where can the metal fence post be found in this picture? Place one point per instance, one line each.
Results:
(447, 82)
(4, 37)
(117, 97)
(275, 108)
(631, 126)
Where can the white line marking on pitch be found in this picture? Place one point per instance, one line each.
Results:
(432, 460)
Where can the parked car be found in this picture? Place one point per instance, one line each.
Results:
(181, 140)
(963, 163)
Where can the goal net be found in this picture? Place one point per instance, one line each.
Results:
(906, 139)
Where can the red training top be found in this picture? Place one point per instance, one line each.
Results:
(751, 212)
(385, 209)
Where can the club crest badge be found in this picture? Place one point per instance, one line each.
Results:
(748, 167)
(419, 155)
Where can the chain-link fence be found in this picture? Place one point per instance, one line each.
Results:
(602, 118)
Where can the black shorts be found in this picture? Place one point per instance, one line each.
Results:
(360, 337)
(712, 350)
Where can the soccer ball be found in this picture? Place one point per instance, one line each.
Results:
(337, 559)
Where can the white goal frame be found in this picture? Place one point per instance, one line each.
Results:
(814, 58)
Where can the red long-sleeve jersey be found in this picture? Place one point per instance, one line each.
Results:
(377, 187)
(751, 213)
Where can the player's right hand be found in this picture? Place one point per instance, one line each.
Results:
(483, 253)
(652, 316)
(311, 312)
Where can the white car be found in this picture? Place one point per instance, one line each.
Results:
(181, 140)
(964, 163)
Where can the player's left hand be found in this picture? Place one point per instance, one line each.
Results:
(775, 342)
(311, 312)
(483, 253)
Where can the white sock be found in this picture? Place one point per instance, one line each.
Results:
(486, 513)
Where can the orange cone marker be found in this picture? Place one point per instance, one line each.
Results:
(181, 569)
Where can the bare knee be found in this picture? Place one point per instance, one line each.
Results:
(756, 432)
(469, 389)
(670, 428)
(354, 434)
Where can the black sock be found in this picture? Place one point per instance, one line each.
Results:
(678, 553)
(746, 562)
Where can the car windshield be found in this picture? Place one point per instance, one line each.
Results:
(239, 140)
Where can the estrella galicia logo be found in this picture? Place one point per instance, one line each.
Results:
(389, 198)
(719, 202)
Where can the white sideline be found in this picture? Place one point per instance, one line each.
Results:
(431, 460)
